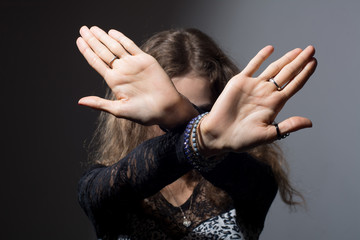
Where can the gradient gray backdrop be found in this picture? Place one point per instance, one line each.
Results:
(44, 131)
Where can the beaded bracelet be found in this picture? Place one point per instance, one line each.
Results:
(191, 147)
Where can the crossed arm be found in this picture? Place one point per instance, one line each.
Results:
(241, 117)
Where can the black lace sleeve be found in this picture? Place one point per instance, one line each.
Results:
(111, 192)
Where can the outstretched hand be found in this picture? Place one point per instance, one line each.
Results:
(243, 115)
(144, 93)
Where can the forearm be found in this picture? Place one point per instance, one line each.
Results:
(159, 162)
(151, 166)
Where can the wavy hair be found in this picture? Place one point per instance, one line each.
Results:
(179, 52)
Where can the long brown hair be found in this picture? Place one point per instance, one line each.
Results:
(180, 52)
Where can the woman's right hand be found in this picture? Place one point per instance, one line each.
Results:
(144, 92)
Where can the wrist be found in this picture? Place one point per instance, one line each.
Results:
(180, 112)
(202, 161)
(209, 145)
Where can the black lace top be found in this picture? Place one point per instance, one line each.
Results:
(123, 201)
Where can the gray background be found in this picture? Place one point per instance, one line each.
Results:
(44, 131)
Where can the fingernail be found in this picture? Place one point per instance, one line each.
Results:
(84, 30)
(94, 29)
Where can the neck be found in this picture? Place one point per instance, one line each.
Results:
(178, 192)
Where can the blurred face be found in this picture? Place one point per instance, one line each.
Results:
(196, 89)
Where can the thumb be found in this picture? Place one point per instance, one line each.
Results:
(293, 124)
(110, 106)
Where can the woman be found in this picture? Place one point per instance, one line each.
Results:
(217, 184)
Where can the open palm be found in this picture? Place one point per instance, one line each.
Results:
(243, 115)
(143, 91)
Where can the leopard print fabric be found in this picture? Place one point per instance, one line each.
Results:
(220, 227)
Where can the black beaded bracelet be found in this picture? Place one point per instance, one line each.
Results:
(191, 147)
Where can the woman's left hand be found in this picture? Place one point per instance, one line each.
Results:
(243, 115)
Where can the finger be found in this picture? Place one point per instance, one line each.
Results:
(274, 68)
(290, 125)
(93, 60)
(113, 45)
(295, 66)
(126, 42)
(97, 47)
(256, 62)
(298, 82)
(110, 106)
